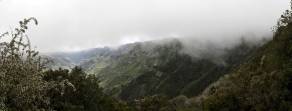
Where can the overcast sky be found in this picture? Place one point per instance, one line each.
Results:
(66, 25)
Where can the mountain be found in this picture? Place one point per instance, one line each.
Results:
(68, 60)
(158, 67)
(262, 83)
(56, 62)
(165, 70)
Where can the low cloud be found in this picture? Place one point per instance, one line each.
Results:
(67, 25)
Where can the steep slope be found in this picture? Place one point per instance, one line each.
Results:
(263, 83)
(131, 61)
(56, 62)
(157, 67)
(149, 68)
(180, 74)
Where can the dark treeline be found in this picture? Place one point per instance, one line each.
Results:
(27, 85)
(83, 93)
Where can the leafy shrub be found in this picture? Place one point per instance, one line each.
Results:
(22, 87)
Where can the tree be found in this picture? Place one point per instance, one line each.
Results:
(85, 95)
(263, 83)
(22, 87)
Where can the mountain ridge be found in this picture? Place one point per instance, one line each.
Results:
(147, 68)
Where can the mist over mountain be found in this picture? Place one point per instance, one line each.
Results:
(140, 69)
(196, 48)
(145, 55)
(74, 25)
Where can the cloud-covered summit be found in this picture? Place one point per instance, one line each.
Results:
(78, 24)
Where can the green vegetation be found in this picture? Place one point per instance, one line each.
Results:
(26, 85)
(22, 87)
(84, 93)
(263, 83)
(158, 78)
(147, 69)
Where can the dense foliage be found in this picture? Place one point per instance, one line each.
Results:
(27, 85)
(84, 95)
(261, 84)
(22, 87)
(149, 68)
(174, 73)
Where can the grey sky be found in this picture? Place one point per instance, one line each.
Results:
(79, 24)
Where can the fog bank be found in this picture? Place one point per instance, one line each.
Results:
(68, 25)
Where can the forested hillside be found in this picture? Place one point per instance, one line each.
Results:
(263, 83)
(27, 85)
(165, 70)
(153, 68)
(148, 76)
